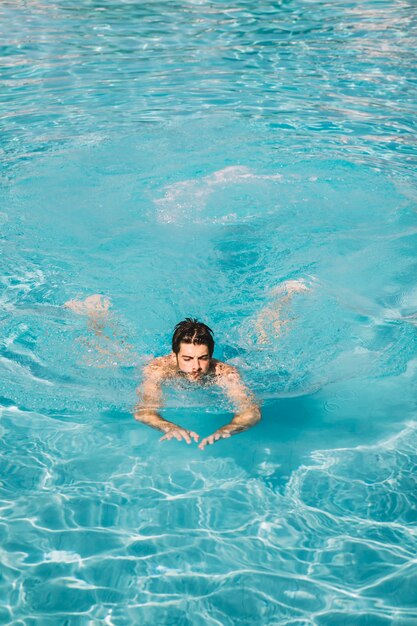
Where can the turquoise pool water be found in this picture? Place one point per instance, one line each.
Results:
(187, 158)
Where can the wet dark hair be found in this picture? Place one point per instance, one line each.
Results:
(191, 330)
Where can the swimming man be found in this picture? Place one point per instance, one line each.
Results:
(192, 359)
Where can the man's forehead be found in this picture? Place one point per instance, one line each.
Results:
(193, 349)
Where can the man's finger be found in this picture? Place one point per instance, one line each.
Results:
(186, 436)
(180, 434)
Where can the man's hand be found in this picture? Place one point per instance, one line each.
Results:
(219, 434)
(176, 432)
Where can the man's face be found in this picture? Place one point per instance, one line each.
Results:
(193, 360)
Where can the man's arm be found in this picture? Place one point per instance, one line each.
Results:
(150, 400)
(248, 412)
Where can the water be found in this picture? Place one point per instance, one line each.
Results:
(187, 158)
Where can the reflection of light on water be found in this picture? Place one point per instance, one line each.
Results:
(153, 527)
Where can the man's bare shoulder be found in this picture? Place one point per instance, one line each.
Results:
(229, 378)
(224, 371)
(161, 368)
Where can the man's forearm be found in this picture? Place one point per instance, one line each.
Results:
(242, 421)
(152, 419)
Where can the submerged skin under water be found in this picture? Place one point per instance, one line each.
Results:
(188, 158)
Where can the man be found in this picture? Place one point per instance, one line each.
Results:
(192, 359)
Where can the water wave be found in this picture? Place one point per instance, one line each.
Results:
(152, 535)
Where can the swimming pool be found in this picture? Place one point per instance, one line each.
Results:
(187, 158)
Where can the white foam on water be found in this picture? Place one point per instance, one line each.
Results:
(187, 199)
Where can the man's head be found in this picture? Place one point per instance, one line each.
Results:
(193, 345)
